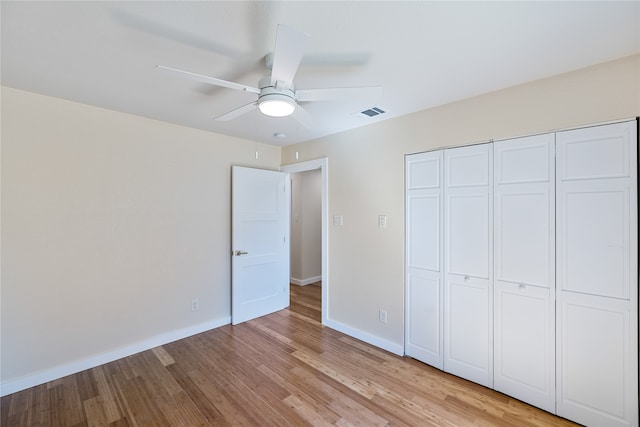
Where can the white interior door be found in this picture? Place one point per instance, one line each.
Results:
(259, 242)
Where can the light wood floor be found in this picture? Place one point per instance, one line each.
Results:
(284, 369)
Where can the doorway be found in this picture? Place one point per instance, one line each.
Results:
(321, 166)
(306, 228)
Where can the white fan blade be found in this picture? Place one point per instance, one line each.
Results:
(175, 33)
(366, 92)
(303, 117)
(206, 79)
(336, 60)
(290, 47)
(237, 112)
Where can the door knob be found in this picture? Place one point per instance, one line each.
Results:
(239, 252)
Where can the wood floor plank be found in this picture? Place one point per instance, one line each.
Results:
(311, 404)
(93, 409)
(179, 409)
(141, 409)
(69, 411)
(284, 369)
(307, 411)
(108, 401)
(230, 409)
(18, 408)
(336, 396)
(199, 399)
(163, 356)
(120, 423)
(348, 380)
(87, 387)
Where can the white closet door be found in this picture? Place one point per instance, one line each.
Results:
(423, 330)
(468, 322)
(597, 335)
(524, 273)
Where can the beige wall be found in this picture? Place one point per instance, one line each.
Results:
(111, 225)
(295, 263)
(306, 227)
(366, 175)
(312, 225)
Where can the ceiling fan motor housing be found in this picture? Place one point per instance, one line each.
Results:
(275, 100)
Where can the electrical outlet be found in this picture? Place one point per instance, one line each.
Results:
(382, 221)
(195, 304)
(382, 316)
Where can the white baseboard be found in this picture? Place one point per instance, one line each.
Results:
(305, 282)
(391, 347)
(13, 386)
(42, 377)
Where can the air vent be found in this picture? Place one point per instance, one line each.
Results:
(372, 112)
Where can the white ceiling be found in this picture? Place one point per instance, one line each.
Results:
(422, 53)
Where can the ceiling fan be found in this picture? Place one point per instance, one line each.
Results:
(276, 94)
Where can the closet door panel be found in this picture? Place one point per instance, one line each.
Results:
(597, 152)
(524, 235)
(524, 160)
(595, 384)
(424, 323)
(467, 166)
(525, 343)
(467, 233)
(424, 170)
(423, 211)
(467, 323)
(595, 237)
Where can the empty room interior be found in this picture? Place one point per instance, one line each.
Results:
(319, 213)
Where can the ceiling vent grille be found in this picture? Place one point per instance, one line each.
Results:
(372, 112)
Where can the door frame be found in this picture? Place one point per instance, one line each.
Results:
(310, 165)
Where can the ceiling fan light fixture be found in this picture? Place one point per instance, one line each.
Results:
(276, 105)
